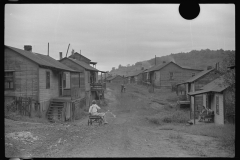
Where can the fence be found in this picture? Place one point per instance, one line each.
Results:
(22, 105)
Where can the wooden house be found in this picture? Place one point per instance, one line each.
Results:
(169, 74)
(89, 77)
(214, 96)
(196, 82)
(116, 79)
(40, 77)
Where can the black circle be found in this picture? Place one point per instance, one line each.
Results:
(189, 11)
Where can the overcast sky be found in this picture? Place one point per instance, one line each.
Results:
(113, 34)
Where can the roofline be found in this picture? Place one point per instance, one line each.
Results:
(79, 64)
(177, 65)
(200, 76)
(40, 65)
(81, 55)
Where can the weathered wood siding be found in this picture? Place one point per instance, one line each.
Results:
(179, 75)
(26, 75)
(83, 85)
(45, 95)
(207, 78)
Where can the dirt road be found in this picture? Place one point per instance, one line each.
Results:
(128, 134)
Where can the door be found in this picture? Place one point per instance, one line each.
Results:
(60, 85)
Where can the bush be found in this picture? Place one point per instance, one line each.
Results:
(170, 117)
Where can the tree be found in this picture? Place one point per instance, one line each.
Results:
(229, 80)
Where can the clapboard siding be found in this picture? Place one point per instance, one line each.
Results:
(53, 91)
(179, 75)
(207, 78)
(25, 75)
(87, 80)
(83, 78)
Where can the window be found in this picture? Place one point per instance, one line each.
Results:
(217, 105)
(171, 75)
(9, 80)
(193, 74)
(47, 79)
(79, 79)
(64, 80)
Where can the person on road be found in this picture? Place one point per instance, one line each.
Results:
(93, 111)
(122, 87)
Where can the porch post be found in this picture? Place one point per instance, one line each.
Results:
(194, 111)
(70, 85)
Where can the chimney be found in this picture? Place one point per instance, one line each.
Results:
(209, 67)
(60, 54)
(28, 48)
(164, 62)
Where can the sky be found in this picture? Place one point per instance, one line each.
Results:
(113, 34)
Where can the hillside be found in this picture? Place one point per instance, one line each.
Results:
(193, 59)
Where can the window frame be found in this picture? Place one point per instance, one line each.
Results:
(170, 75)
(13, 80)
(217, 104)
(48, 81)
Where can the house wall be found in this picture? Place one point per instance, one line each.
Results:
(218, 118)
(83, 79)
(45, 95)
(179, 75)
(207, 78)
(26, 75)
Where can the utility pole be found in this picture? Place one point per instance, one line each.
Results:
(48, 49)
(67, 49)
(155, 60)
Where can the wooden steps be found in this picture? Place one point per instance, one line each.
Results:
(55, 111)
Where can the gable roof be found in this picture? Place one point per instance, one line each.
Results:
(82, 64)
(135, 73)
(199, 75)
(42, 60)
(78, 54)
(160, 66)
(215, 86)
(111, 78)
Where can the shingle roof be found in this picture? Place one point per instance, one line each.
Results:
(83, 64)
(215, 86)
(160, 66)
(111, 78)
(199, 75)
(42, 60)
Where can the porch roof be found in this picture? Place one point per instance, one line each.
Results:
(214, 86)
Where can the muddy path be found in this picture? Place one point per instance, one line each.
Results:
(127, 134)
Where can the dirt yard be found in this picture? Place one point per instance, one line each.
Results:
(129, 133)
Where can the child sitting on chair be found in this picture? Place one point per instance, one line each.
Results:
(93, 111)
(202, 114)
